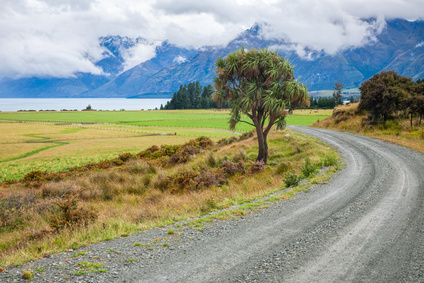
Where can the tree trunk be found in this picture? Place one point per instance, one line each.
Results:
(411, 120)
(263, 149)
(265, 135)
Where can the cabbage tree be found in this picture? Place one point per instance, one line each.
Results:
(261, 85)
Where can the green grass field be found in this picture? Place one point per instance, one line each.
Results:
(55, 141)
(114, 117)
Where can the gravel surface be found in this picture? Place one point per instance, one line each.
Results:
(365, 225)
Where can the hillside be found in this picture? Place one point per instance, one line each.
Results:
(347, 118)
(399, 47)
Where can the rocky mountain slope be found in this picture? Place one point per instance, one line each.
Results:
(400, 46)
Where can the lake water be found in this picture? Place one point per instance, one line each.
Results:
(15, 104)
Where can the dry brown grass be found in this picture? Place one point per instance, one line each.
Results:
(399, 132)
(312, 112)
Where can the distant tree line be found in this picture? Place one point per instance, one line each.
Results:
(193, 96)
(329, 102)
(388, 95)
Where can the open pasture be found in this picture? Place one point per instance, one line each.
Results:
(114, 117)
(48, 147)
(55, 141)
(217, 119)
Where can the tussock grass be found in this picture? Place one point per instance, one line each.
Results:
(345, 118)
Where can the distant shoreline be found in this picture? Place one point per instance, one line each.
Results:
(58, 104)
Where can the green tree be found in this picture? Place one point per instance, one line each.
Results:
(337, 94)
(192, 96)
(384, 94)
(414, 105)
(259, 84)
(205, 100)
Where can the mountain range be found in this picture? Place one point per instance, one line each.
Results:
(399, 47)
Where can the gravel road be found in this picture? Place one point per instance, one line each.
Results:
(365, 225)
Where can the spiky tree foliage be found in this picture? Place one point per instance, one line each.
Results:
(261, 85)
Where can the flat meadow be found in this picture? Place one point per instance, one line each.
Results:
(55, 141)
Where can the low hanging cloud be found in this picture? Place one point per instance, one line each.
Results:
(139, 53)
(58, 38)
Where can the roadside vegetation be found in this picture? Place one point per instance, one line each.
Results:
(46, 213)
(391, 109)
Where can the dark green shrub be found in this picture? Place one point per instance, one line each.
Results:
(156, 155)
(292, 179)
(329, 160)
(168, 150)
(309, 169)
(148, 152)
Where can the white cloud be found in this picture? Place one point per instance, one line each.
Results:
(60, 37)
(179, 59)
(141, 52)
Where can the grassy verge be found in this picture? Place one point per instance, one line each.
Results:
(399, 131)
(156, 187)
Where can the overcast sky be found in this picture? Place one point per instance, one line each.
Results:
(61, 37)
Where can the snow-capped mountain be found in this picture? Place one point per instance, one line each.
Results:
(400, 46)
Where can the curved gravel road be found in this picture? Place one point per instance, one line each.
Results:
(365, 225)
